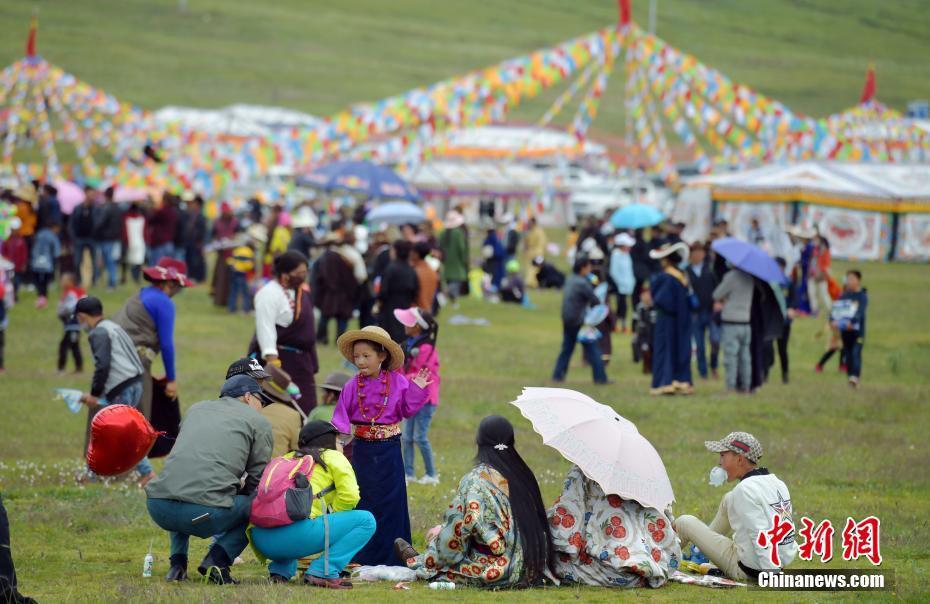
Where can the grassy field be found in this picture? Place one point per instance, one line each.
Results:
(843, 453)
(321, 56)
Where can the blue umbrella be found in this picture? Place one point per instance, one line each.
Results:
(750, 258)
(359, 177)
(396, 212)
(636, 216)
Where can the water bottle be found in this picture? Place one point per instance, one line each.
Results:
(147, 563)
(442, 585)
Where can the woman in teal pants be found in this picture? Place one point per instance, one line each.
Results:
(349, 529)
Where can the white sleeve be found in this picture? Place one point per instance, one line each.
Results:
(265, 314)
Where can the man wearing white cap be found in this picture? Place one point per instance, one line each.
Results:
(731, 540)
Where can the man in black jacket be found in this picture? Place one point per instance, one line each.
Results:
(577, 296)
(82, 224)
(108, 232)
(703, 281)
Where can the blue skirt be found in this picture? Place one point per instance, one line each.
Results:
(379, 468)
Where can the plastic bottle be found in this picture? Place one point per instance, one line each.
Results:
(147, 563)
(442, 585)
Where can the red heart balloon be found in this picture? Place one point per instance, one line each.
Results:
(120, 437)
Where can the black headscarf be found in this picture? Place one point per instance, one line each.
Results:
(496, 449)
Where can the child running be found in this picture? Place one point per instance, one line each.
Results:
(371, 408)
(71, 339)
(419, 353)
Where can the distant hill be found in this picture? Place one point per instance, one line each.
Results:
(319, 56)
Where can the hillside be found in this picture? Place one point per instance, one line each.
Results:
(320, 56)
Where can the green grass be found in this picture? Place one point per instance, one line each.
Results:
(842, 453)
(322, 56)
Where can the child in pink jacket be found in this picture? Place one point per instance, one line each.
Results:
(419, 352)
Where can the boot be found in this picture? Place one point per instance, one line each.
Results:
(178, 570)
(215, 566)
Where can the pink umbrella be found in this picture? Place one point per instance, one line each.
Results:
(69, 195)
(607, 447)
(129, 194)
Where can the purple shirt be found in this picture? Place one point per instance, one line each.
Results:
(404, 400)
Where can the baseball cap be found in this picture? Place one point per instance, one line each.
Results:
(239, 385)
(249, 367)
(741, 443)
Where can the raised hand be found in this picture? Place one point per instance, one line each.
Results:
(422, 378)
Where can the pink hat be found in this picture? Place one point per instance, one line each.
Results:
(284, 219)
(409, 317)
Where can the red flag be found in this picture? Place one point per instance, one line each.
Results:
(868, 89)
(31, 39)
(626, 11)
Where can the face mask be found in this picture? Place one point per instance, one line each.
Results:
(718, 477)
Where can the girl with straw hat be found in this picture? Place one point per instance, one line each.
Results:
(371, 408)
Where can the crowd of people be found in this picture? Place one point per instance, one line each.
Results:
(297, 272)
(687, 298)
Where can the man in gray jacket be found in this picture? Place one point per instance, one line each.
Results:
(117, 368)
(201, 490)
(734, 298)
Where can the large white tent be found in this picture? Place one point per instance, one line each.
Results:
(866, 211)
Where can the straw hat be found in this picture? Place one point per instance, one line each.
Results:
(801, 232)
(27, 193)
(372, 334)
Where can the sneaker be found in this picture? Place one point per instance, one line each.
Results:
(274, 579)
(843, 368)
(818, 368)
(714, 374)
(336, 583)
(217, 575)
(854, 382)
(431, 480)
(42, 302)
(409, 479)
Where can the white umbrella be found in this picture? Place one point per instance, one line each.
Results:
(607, 447)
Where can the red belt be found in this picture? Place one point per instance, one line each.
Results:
(376, 431)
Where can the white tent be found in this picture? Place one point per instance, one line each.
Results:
(866, 211)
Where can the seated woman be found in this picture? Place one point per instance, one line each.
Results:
(608, 541)
(349, 529)
(494, 533)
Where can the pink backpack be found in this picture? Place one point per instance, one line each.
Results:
(284, 495)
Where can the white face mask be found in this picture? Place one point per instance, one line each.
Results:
(718, 477)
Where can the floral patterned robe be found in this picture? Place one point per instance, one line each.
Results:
(478, 544)
(605, 540)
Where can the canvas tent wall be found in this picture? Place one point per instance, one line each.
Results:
(867, 211)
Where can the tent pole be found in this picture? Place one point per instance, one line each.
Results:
(893, 248)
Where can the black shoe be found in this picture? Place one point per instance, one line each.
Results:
(218, 575)
(278, 579)
(784, 378)
(176, 573)
(403, 550)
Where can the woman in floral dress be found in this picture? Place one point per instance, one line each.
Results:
(608, 541)
(494, 533)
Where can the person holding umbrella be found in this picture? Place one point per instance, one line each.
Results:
(671, 355)
(734, 298)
